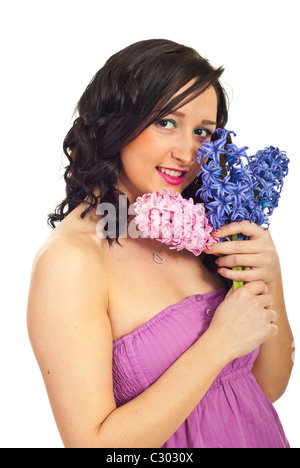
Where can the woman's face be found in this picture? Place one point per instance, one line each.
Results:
(164, 155)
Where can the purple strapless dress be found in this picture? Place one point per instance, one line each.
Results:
(234, 413)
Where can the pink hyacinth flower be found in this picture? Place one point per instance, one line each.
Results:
(174, 221)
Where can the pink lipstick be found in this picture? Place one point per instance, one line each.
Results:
(171, 179)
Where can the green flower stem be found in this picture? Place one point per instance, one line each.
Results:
(237, 284)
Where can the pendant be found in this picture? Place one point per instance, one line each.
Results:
(158, 258)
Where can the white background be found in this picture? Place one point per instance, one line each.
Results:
(50, 51)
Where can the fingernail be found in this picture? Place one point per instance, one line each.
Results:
(220, 271)
(215, 233)
(207, 248)
(216, 261)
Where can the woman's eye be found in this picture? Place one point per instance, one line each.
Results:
(168, 124)
(203, 132)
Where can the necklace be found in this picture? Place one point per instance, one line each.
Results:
(157, 258)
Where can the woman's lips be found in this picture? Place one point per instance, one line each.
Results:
(170, 179)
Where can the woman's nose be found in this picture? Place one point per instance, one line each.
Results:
(185, 152)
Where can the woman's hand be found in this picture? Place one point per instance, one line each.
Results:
(272, 368)
(258, 253)
(242, 322)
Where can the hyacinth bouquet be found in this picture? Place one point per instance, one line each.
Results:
(174, 221)
(236, 187)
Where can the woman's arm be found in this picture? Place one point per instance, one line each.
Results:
(273, 367)
(71, 336)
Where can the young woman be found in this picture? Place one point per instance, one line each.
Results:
(136, 353)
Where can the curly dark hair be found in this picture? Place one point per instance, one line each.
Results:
(134, 89)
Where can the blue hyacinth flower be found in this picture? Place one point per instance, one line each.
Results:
(240, 187)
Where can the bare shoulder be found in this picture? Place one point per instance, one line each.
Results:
(67, 279)
(71, 246)
(70, 333)
(72, 253)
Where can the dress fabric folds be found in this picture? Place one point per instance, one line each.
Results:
(234, 413)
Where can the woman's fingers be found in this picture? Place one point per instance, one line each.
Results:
(246, 260)
(230, 261)
(236, 247)
(256, 287)
(272, 315)
(239, 227)
(245, 276)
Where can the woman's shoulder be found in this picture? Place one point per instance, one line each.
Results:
(67, 282)
(69, 260)
(72, 241)
(71, 253)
